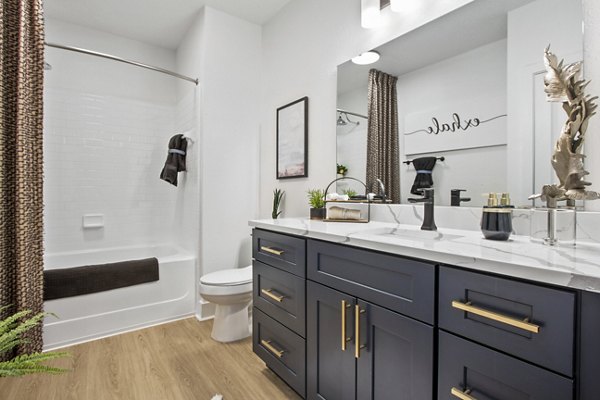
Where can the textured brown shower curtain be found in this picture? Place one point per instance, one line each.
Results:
(21, 164)
(383, 159)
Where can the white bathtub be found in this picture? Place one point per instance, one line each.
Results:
(91, 316)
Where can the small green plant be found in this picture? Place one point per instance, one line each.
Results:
(277, 198)
(350, 192)
(316, 198)
(11, 330)
(342, 169)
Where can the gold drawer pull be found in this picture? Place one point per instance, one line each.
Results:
(271, 250)
(521, 324)
(462, 395)
(269, 293)
(345, 339)
(271, 348)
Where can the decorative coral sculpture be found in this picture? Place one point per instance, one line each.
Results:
(563, 83)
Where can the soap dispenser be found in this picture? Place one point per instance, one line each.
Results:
(496, 219)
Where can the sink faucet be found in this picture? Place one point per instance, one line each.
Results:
(455, 198)
(383, 198)
(428, 203)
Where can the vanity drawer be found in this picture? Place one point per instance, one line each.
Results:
(285, 252)
(281, 349)
(488, 374)
(280, 295)
(400, 284)
(492, 311)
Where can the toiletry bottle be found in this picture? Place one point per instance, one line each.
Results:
(496, 219)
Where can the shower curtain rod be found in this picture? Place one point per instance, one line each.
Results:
(123, 60)
(351, 113)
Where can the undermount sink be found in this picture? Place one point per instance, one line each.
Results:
(414, 234)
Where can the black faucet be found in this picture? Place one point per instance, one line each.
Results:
(455, 198)
(428, 203)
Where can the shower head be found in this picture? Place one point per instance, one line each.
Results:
(47, 67)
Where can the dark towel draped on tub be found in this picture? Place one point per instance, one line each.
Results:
(424, 179)
(175, 159)
(68, 282)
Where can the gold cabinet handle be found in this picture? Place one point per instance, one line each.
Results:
(269, 293)
(345, 339)
(521, 324)
(271, 348)
(271, 250)
(357, 345)
(462, 395)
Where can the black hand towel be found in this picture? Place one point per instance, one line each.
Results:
(175, 159)
(424, 179)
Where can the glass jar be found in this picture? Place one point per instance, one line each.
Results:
(553, 226)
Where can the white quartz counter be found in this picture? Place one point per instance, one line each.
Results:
(573, 267)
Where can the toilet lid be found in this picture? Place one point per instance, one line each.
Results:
(228, 277)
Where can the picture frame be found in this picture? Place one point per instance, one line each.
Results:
(292, 140)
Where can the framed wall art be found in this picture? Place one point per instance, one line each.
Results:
(292, 140)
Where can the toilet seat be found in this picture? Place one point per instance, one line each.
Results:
(228, 277)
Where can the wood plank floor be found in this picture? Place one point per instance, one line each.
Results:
(176, 361)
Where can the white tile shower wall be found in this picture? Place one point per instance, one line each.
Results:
(186, 221)
(104, 155)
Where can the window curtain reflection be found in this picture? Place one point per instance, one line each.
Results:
(21, 164)
(383, 160)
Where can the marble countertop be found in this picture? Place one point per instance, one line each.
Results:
(573, 267)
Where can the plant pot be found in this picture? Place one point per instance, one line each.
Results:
(317, 213)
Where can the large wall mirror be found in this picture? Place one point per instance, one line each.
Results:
(469, 90)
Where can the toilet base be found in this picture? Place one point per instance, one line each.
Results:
(231, 322)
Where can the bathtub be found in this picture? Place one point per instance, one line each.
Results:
(91, 316)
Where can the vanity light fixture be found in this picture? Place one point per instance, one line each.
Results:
(366, 58)
(370, 14)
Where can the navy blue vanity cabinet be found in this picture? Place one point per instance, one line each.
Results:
(279, 299)
(528, 321)
(468, 371)
(285, 252)
(401, 284)
(360, 349)
(331, 370)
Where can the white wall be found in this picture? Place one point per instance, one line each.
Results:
(225, 52)
(302, 47)
(591, 16)
(107, 126)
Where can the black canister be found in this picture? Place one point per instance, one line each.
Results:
(496, 219)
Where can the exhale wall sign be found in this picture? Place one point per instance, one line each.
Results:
(470, 124)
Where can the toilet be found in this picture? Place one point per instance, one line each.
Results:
(231, 292)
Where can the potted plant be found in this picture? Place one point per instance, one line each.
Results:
(11, 330)
(316, 199)
(277, 197)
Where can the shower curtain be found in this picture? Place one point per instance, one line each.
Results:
(383, 159)
(21, 168)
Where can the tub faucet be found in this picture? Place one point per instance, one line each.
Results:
(382, 188)
(455, 198)
(428, 203)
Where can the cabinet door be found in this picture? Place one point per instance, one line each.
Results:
(396, 361)
(331, 371)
